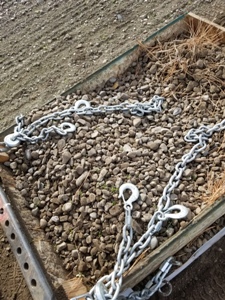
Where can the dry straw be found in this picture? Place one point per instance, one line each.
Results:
(181, 54)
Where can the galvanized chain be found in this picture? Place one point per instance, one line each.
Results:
(156, 283)
(109, 286)
(81, 107)
(111, 289)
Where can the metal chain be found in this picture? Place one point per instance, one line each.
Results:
(81, 107)
(199, 136)
(156, 283)
(109, 286)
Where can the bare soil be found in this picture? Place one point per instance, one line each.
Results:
(202, 280)
(48, 46)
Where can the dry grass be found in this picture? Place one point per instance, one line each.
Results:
(180, 55)
(216, 187)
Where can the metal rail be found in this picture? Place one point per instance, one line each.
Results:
(36, 279)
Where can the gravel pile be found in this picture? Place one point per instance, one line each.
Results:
(71, 183)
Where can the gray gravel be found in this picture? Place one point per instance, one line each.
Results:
(71, 183)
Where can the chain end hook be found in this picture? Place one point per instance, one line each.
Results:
(134, 193)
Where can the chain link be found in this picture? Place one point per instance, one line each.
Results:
(125, 256)
(81, 107)
(108, 287)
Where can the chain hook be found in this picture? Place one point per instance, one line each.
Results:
(82, 103)
(134, 193)
(11, 140)
(67, 127)
(182, 212)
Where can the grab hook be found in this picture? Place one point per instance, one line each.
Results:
(181, 213)
(134, 193)
(81, 103)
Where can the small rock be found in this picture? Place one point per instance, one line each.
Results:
(35, 212)
(183, 224)
(145, 87)
(198, 210)
(124, 97)
(154, 145)
(170, 231)
(191, 85)
(199, 243)
(61, 144)
(153, 69)
(119, 17)
(75, 253)
(36, 116)
(24, 167)
(83, 201)
(82, 122)
(54, 219)
(92, 197)
(85, 97)
(34, 154)
(13, 165)
(159, 130)
(88, 259)
(127, 148)
(147, 217)
(164, 147)
(158, 91)
(93, 215)
(66, 156)
(82, 266)
(83, 249)
(102, 93)
(154, 242)
(205, 97)
(92, 152)
(94, 134)
(43, 223)
(79, 169)
(67, 207)
(108, 160)
(63, 218)
(112, 79)
(188, 172)
(177, 111)
(136, 122)
(82, 177)
(136, 214)
(200, 64)
(214, 89)
(102, 174)
(115, 210)
(200, 181)
(134, 154)
(217, 160)
(61, 247)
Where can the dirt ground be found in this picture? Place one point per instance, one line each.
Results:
(203, 280)
(47, 46)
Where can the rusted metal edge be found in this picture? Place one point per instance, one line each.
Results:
(33, 272)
